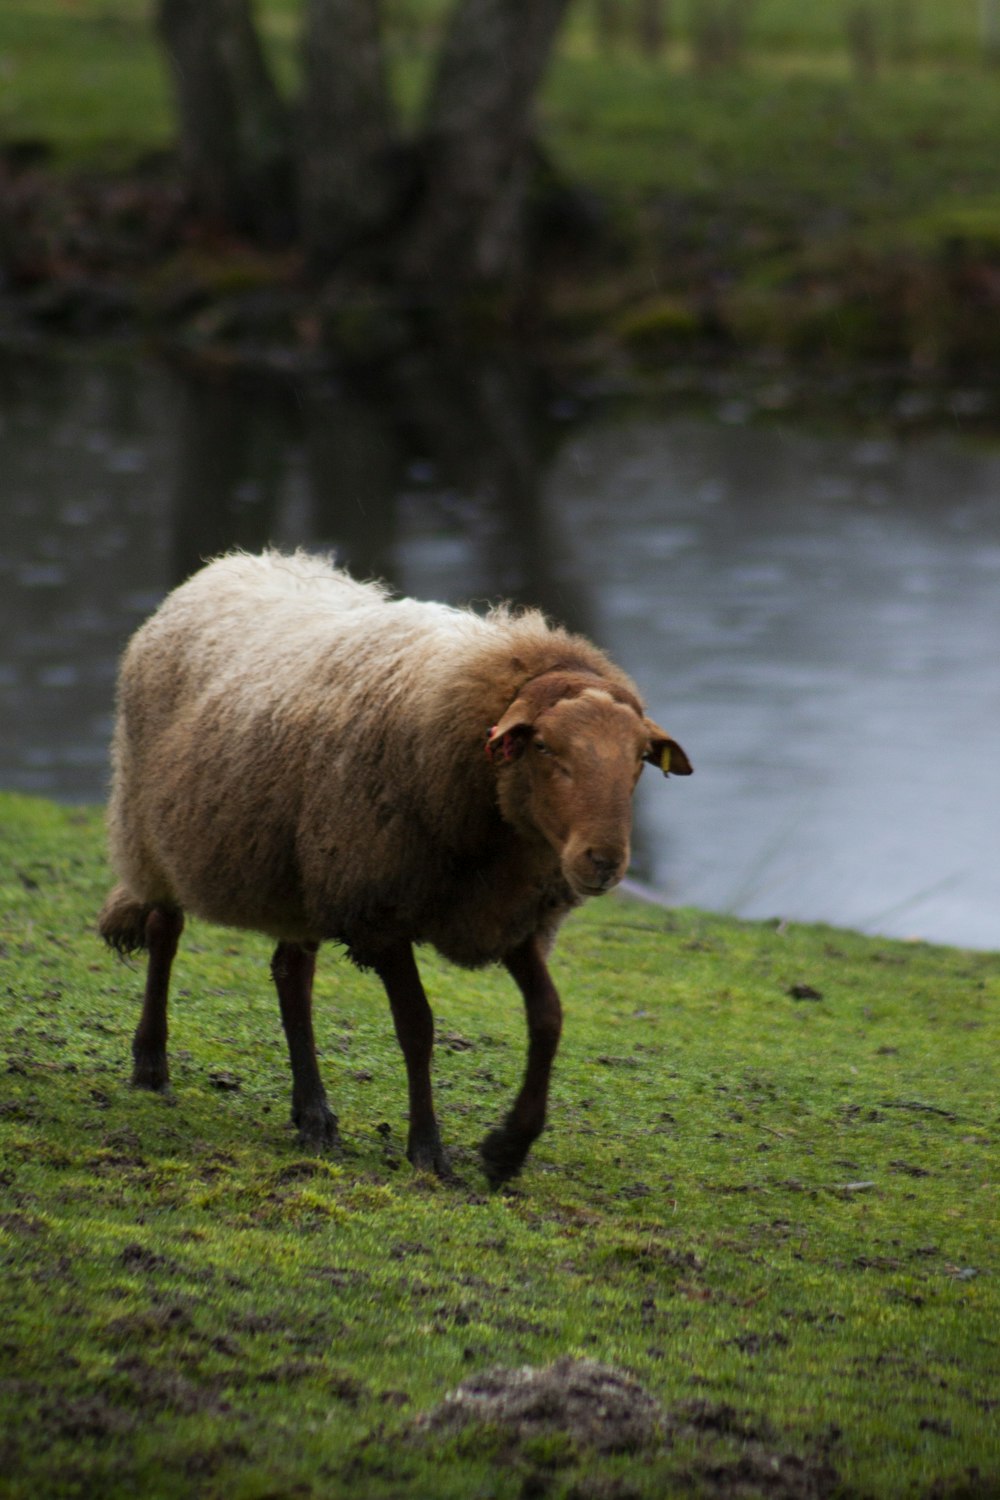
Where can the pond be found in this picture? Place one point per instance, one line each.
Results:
(814, 614)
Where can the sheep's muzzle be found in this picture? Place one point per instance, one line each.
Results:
(593, 870)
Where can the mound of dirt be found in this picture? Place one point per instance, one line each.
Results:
(594, 1405)
(595, 1408)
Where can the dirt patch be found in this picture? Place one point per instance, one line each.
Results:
(552, 1418)
(593, 1405)
(719, 1418)
(88, 1417)
(779, 1476)
(150, 1390)
(21, 1224)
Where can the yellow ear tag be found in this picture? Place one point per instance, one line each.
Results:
(665, 760)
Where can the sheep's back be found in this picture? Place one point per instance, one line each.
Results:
(272, 715)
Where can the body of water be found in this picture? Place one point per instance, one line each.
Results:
(814, 615)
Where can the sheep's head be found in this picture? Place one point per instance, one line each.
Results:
(569, 751)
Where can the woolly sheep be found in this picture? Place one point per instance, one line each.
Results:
(297, 753)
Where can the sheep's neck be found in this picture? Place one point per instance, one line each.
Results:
(499, 902)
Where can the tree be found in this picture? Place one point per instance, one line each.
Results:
(442, 208)
(234, 130)
(989, 27)
(652, 22)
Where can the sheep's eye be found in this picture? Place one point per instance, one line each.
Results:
(542, 747)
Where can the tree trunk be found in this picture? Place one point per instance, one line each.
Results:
(609, 20)
(863, 39)
(651, 27)
(233, 127)
(445, 212)
(469, 220)
(348, 162)
(989, 26)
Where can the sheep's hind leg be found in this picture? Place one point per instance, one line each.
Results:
(163, 928)
(414, 1024)
(292, 967)
(504, 1149)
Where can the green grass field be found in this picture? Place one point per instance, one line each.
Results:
(87, 77)
(778, 1213)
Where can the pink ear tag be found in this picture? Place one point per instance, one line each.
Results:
(505, 745)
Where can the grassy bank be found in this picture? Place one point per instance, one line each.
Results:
(816, 198)
(767, 1192)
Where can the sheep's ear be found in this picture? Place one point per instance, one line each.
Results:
(509, 738)
(665, 752)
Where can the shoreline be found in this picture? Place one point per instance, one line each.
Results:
(631, 890)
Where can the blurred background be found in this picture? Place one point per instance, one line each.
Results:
(676, 317)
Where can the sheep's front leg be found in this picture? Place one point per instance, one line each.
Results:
(504, 1149)
(414, 1023)
(293, 966)
(164, 925)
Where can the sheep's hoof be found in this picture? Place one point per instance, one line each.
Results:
(317, 1127)
(150, 1071)
(502, 1155)
(429, 1156)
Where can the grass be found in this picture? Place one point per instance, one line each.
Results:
(85, 80)
(88, 78)
(778, 1213)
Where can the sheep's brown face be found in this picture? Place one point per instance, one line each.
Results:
(575, 765)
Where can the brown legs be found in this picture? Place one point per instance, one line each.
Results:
(293, 966)
(414, 1024)
(149, 1045)
(504, 1149)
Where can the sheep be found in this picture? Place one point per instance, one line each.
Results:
(298, 753)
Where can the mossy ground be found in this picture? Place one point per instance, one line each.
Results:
(767, 1191)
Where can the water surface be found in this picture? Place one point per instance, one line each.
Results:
(815, 616)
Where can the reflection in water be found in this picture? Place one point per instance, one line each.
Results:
(229, 466)
(816, 618)
(85, 496)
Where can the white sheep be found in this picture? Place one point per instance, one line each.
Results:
(299, 754)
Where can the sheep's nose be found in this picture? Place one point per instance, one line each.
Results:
(604, 868)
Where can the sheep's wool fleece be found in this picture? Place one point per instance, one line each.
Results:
(298, 753)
